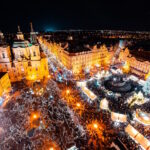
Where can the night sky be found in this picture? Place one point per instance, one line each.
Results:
(50, 15)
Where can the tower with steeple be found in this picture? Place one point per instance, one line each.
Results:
(33, 37)
(5, 55)
(20, 35)
(27, 62)
(1, 37)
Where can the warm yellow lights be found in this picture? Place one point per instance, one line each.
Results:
(31, 77)
(147, 75)
(34, 119)
(78, 104)
(67, 91)
(51, 148)
(126, 67)
(35, 116)
(95, 125)
(48, 76)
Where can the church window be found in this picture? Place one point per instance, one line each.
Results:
(34, 54)
(29, 63)
(3, 55)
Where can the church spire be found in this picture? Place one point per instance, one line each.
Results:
(19, 29)
(1, 34)
(20, 36)
(33, 37)
(31, 26)
(1, 37)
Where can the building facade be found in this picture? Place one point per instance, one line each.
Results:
(138, 67)
(4, 82)
(77, 61)
(25, 62)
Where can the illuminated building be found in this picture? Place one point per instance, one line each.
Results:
(27, 63)
(4, 82)
(19, 35)
(126, 67)
(80, 57)
(138, 67)
(33, 37)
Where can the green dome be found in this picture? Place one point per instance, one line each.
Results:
(22, 44)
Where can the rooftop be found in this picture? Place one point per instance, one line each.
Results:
(77, 47)
(141, 55)
(4, 45)
(79, 41)
(21, 43)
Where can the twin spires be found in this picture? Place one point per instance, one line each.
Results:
(33, 37)
(31, 27)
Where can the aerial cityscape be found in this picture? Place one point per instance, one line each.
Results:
(74, 87)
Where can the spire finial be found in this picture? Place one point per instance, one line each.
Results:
(19, 29)
(31, 27)
(1, 33)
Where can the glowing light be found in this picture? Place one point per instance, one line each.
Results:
(78, 104)
(104, 104)
(126, 67)
(67, 91)
(116, 124)
(31, 77)
(51, 148)
(34, 116)
(48, 76)
(95, 125)
(50, 29)
(147, 75)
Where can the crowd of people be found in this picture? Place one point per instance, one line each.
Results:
(58, 125)
(118, 104)
(62, 116)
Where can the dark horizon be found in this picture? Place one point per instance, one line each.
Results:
(49, 15)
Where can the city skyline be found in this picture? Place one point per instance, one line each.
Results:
(59, 15)
(78, 78)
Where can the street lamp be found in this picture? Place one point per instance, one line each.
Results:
(48, 76)
(34, 116)
(34, 120)
(78, 104)
(67, 91)
(95, 125)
